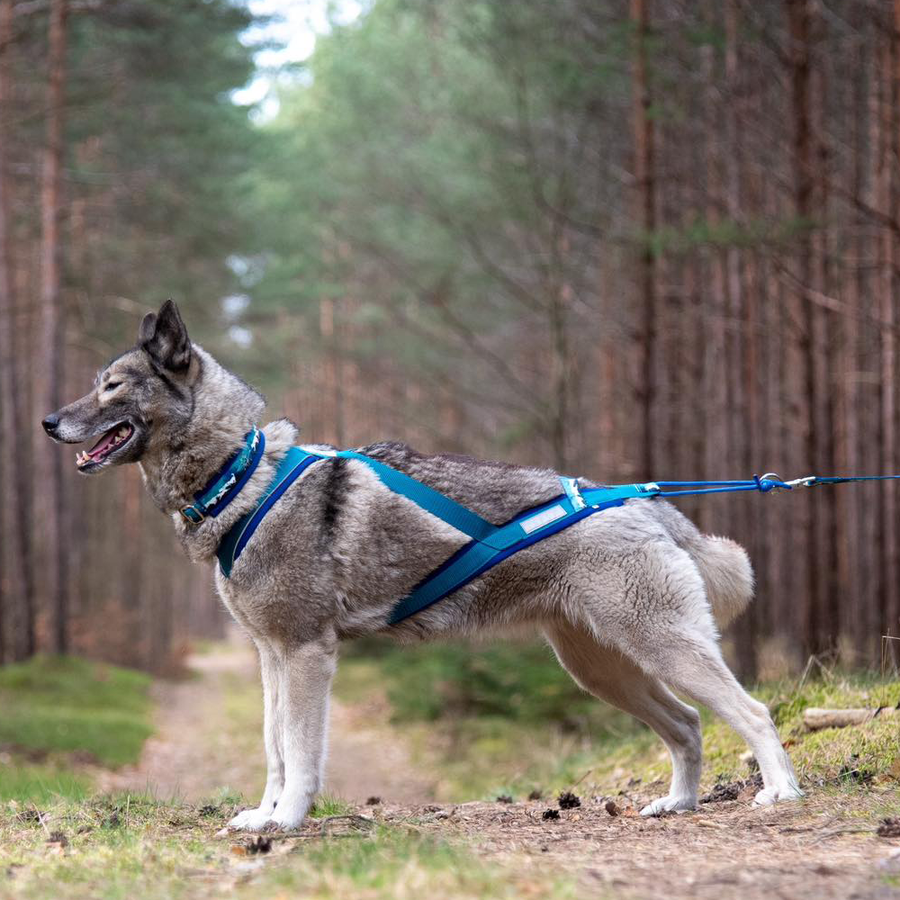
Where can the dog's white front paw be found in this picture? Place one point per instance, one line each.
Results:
(768, 796)
(669, 804)
(251, 819)
(285, 820)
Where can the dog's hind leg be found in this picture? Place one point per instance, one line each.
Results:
(655, 610)
(609, 675)
(270, 665)
(691, 663)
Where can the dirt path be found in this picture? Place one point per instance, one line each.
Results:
(822, 849)
(807, 851)
(209, 738)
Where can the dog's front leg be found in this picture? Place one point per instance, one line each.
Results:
(306, 672)
(270, 668)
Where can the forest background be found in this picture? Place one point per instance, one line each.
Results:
(630, 240)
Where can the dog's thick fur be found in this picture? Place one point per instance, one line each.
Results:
(626, 598)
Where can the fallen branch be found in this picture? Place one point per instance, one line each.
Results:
(815, 718)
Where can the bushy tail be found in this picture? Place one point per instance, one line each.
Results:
(728, 575)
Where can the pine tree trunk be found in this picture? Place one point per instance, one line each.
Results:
(890, 129)
(802, 371)
(644, 171)
(847, 417)
(51, 496)
(16, 593)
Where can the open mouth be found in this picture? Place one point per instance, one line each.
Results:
(112, 440)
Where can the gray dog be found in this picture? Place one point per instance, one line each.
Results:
(626, 597)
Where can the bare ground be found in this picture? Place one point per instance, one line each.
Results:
(825, 847)
(731, 850)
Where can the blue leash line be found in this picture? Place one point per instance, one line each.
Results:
(764, 484)
(488, 544)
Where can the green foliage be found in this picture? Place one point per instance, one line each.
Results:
(69, 705)
(155, 153)
(520, 682)
(414, 172)
(700, 231)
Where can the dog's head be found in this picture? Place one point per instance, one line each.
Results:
(145, 390)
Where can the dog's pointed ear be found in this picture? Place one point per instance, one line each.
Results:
(165, 338)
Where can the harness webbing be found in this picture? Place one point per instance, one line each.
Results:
(290, 468)
(489, 544)
(474, 559)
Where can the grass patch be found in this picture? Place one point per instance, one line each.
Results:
(327, 805)
(39, 784)
(518, 682)
(393, 864)
(117, 848)
(69, 705)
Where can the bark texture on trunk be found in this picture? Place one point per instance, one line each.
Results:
(50, 488)
(644, 176)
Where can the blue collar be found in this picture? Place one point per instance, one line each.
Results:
(227, 483)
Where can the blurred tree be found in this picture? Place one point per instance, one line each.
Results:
(50, 495)
(17, 620)
(140, 199)
(452, 204)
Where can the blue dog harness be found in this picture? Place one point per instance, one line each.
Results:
(488, 544)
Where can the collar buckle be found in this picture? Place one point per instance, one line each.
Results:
(189, 512)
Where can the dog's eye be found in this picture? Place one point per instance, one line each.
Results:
(112, 385)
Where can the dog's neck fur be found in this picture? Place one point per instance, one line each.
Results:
(190, 449)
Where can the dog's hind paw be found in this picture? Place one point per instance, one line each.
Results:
(251, 820)
(768, 796)
(669, 804)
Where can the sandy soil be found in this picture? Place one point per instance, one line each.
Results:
(819, 849)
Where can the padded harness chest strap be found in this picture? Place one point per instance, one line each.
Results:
(295, 462)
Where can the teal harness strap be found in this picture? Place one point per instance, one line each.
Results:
(438, 504)
(295, 462)
(475, 558)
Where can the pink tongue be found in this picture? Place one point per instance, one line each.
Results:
(102, 444)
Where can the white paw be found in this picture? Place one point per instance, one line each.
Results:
(285, 819)
(669, 804)
(770, 795)
(251, 819)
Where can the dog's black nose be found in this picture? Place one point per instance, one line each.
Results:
(51, 423)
